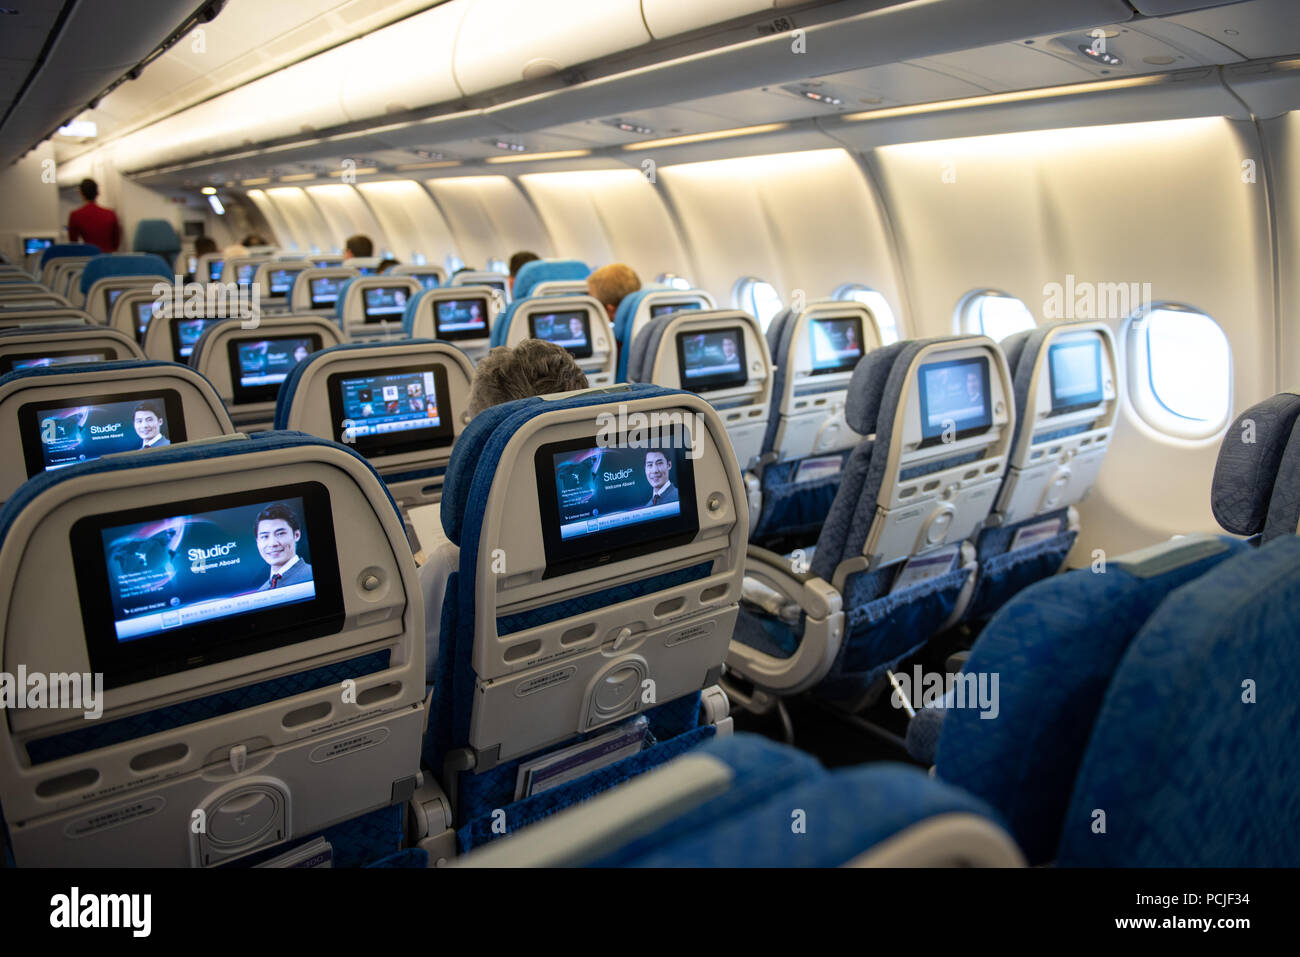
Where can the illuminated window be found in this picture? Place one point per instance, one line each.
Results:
(453, 262)
(1180, 371)
(673, 281)
(994, 314)
(879, 306)
(758, 298)
(496, 264)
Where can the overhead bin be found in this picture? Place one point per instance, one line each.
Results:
(405, 66)
(667, 18)
(507, 41)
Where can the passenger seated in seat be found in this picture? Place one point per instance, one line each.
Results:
(387, 264)
(611, 283)
(517, 262)
(534, 367)
(358, 247)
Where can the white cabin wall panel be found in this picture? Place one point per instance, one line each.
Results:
(967, 215)
(604, 216)
(1027, 209)
(801, 221)
(283, 235)
(1282, 139)
(489, 216)
(410, 219)
(302, 219)
(346, 214)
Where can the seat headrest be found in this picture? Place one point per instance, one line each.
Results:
(544, 270)
(1250, 464)
(284, 398)
(495, 425)
(1284, 508)
(1176, 721)
(124, 264)
(156, 236)
(867, 387)
(60, 250)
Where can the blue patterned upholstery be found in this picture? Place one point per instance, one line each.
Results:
(761, 771)
(845, 813)
(1191, 765)
(124, 264)
(1054, 647)
(61, 250)
(674, 725)
(1249, 461)
(546, 270)
(1284, 508)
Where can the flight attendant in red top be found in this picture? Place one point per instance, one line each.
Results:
(93, 223)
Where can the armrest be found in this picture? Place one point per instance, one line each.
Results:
(823, 629)
(611, 820)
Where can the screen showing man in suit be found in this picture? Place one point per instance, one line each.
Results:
(599, 489)
(169, 573)
(278, 533)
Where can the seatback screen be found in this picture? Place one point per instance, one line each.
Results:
(460, 319)
(281, 281)
(46, 358)
(663, 308)
(403, 409)
(186, 332)
(58, 434)
(258, 366)
(570, 330)
(428, 280)
(215, 268)
(955, 399)
(385, 304)
(1075, 369)
(836, 344)
(603, 503)
(144, 312)
(325, 291)
(110, 297)
(175, 586)
(244, 273)
(32, 246)
(712, 360)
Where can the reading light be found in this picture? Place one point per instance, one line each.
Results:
(1019, 96)
(509, 147)
(437, 164)
(706, 137)
(823, 98)
(209, 191)
(558, 154)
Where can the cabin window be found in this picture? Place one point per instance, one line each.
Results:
(1180, 371)
(758, 298)
(673, 281)
(877, 303)
(993, 314)
(453, 262)
(497, 264)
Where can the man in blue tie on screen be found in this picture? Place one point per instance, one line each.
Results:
(657, 468)
(278, 532)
